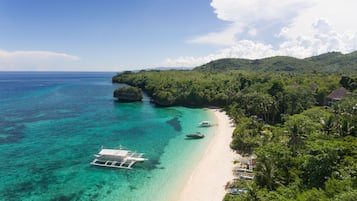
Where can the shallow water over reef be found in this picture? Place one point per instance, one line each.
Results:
(51, 124)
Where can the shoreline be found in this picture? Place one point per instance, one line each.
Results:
(208, 179)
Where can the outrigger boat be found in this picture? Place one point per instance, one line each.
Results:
(205, 124)
(117, 158)
(195, 135)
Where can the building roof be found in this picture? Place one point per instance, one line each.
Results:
(338, 94)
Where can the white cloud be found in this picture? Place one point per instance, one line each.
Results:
(249, 17)
(241, 49)
(322, 37)
(225, 37)
(38, 60)
(263, 28)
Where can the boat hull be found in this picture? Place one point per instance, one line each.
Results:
(195, 136)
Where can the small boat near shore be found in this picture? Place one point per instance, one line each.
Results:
(197, 135)
(117, 158)
(237, 191)
(205, 124)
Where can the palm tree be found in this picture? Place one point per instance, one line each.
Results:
(346, 128)
(266, 174)
(296, 137)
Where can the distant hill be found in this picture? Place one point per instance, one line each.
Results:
(334, 62)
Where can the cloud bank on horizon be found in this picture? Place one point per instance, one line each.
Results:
(263, 28)
(35, 60)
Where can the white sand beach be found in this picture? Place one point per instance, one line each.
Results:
(214, 170)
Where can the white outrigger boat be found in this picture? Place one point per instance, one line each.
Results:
(117, 158)
(205, 124)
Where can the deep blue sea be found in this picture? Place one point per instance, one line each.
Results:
(51, 124)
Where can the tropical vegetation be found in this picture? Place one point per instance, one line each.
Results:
(306, 144)
(128, 93)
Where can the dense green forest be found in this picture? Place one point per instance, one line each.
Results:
(306, 146)
(333, 62)
(128, 93)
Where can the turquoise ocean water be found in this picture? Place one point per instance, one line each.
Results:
(51, 124)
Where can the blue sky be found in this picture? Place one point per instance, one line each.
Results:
(116, 35)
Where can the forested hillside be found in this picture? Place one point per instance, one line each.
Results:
(333, 62)
(305, 142)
